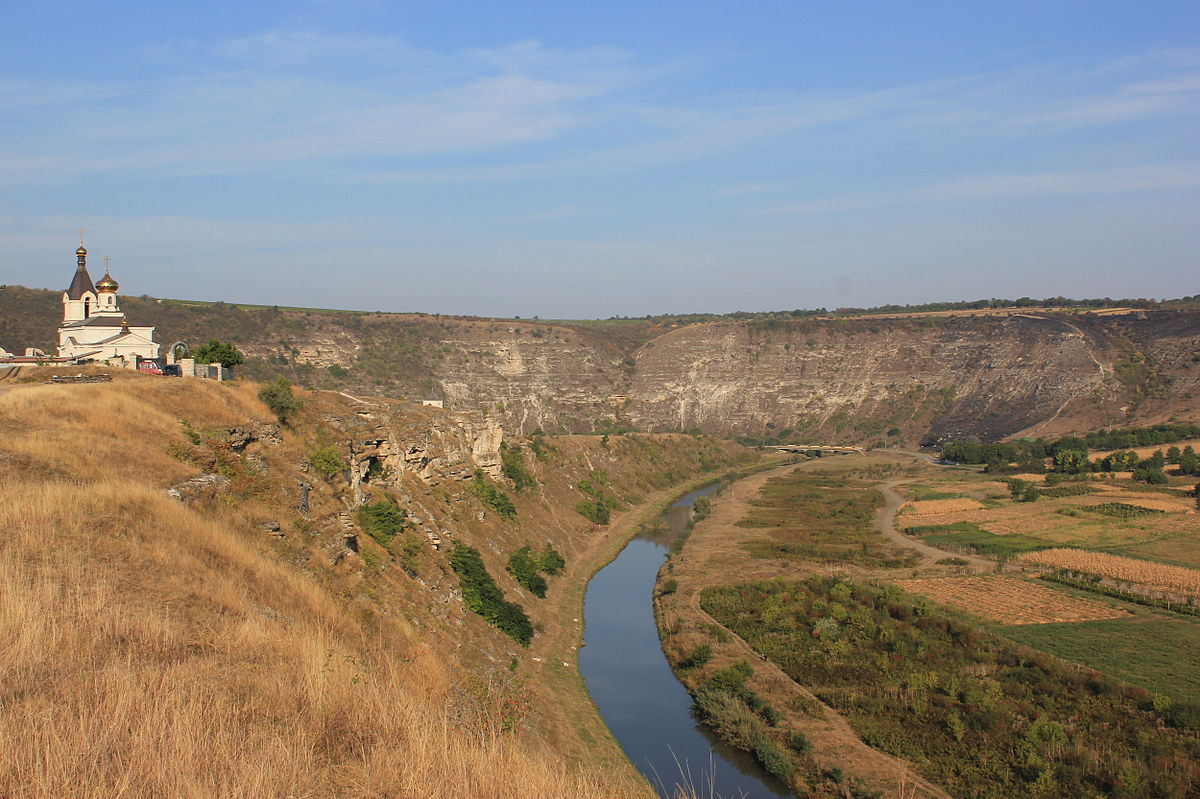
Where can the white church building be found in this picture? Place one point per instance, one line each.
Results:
(94, 325)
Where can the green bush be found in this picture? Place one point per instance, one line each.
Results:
(222, 352)
(513, 467)
(483, 596)
(550, 561)
(595, 512)
(773, 759)
(523, 566)
(798, 742)
(277, 396)
(697, 657)
(493, 497)
(668, 587)
(326, 461)
(1183, 716)
(382, 520)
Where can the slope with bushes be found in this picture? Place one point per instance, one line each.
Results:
(249, 638)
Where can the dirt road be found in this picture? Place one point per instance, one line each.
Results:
(885, 522)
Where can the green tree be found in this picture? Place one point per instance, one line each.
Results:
(1071, 461)
(1189, 463)
(222, 352)
(277, 395)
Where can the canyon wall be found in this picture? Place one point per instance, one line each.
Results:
(893, 380)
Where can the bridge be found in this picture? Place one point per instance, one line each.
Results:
(817, 450)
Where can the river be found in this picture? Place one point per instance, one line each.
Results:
(647, 709)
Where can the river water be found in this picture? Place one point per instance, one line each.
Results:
(647, 709)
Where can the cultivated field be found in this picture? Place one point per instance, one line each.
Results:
(947, 505)
(933, 507)
(1010, 601)
(1152, 575)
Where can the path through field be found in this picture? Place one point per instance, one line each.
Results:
(710, 556)
(886, 523)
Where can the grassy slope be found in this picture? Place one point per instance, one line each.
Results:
(155, 649)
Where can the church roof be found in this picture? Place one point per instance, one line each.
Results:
(81, 284)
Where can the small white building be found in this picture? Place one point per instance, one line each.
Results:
(94, 325)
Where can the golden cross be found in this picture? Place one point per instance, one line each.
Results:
(106, 260)
(80, 237)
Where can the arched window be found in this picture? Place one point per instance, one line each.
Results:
(87, 307)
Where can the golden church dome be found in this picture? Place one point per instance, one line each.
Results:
(107, 283)
(81, 250)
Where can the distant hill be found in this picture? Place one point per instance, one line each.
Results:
(892, 376)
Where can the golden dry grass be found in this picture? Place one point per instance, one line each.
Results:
(1178, 579)
(1010, 601)
(932, 507)
(147, 650)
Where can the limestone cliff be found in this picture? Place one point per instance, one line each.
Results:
(899, 379)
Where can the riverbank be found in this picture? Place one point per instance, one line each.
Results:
(553, 659)
(715, 551)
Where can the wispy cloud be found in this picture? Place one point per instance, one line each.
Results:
(1157, 177)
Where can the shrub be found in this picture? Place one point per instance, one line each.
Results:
(513, 467)
(595, 512)
(326, 461)
(277, 396)
(697, 657)
(483, 596)
(1183, 716)
(524, 568)
(550, 561)
(798, 742)
(668, 587)
(337, 371)
(494, 498)
(773, 759)
(382, 521)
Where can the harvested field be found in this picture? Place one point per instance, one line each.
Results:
(930, 507)
(1010, 601)
(1177, 579)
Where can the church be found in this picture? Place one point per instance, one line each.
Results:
(94, 326)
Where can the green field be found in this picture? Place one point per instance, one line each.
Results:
(968, 535)
(1153, 650)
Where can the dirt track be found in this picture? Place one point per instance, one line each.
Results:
(885, 521)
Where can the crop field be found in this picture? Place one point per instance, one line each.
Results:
(1176, 579)
(930, 507)
(1121, 648)
(1011, 601)
(1157, 524)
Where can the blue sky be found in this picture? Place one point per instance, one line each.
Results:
(621, 158)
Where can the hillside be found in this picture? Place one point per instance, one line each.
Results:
(894, 379)
(247, 636)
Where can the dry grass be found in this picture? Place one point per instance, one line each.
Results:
(147, 650)
(932, 507)
(1151, 575)
(1010, 601)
